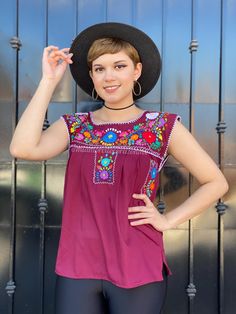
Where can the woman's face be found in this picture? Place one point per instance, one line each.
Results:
(113, 77)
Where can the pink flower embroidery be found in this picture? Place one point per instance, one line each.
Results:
(98, 133)
(139, 142)
(79, 137)
(151, 123)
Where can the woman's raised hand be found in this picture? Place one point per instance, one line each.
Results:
(55, 62)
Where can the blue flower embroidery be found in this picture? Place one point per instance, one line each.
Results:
(109, 137)
(153, 173)
(105, 162)
(150, 183)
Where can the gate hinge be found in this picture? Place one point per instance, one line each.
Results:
(193, 45)
(15, 42)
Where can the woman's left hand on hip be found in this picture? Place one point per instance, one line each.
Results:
(147, 214)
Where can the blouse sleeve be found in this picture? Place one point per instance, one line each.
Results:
(170, 121)
(65, 120)
(73, 123)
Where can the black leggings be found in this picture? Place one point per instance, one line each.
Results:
(92, 296)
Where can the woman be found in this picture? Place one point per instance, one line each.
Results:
(111, 257)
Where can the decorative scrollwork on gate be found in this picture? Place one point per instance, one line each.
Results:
(15, 42)
(221, 208)
(193, 45)
(191, 290)
(10, 288)
(221, 127)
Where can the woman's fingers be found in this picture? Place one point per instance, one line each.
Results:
(54, 55)
(55, 62)
(48, 50)
(140, 215)
(144, 198)
(135, 209)
(138, 212)
(51, 47)
(65, 49)
(147, 214)
(139, 222)
(148, 205)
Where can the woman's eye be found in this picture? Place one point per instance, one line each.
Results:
(120, 66)
(98, 69)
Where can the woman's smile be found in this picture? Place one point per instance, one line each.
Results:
(111, 89)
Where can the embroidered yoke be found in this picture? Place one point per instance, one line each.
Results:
(107, 164)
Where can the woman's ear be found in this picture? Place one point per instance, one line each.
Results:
(91, 74)
(138, 71)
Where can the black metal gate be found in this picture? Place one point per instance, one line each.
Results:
(198, 47)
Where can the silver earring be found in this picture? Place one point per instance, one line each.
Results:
(139, 87)
(93, 96)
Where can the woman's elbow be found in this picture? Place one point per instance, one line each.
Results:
(13, 150)
(17, 152)
(223, 186)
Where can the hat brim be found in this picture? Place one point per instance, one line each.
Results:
(148, 52)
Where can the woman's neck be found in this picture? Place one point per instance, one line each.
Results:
(107, 115)
(118, 108)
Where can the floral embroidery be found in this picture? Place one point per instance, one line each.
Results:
(150, 183)
(104, 167)
(149, 137)
(110, 137)
(145, 134)
(152, 115)
(75, 123)
(149, 134)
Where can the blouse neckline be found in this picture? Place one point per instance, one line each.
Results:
(120, 123)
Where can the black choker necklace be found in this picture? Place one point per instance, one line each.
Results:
(118, 108)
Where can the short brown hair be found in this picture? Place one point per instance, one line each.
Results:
(111, 45)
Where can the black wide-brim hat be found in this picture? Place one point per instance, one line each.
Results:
(147, 50)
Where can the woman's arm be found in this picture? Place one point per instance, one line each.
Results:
(29, 141)
(213, 185)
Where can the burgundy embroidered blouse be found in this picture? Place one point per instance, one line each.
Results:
(107, 164)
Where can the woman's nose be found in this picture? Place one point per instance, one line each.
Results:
(109, 75)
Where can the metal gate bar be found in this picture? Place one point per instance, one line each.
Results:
(43, 203)
(11, 285)
(221, 126)
(191, 290)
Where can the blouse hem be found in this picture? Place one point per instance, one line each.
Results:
(127, 286)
